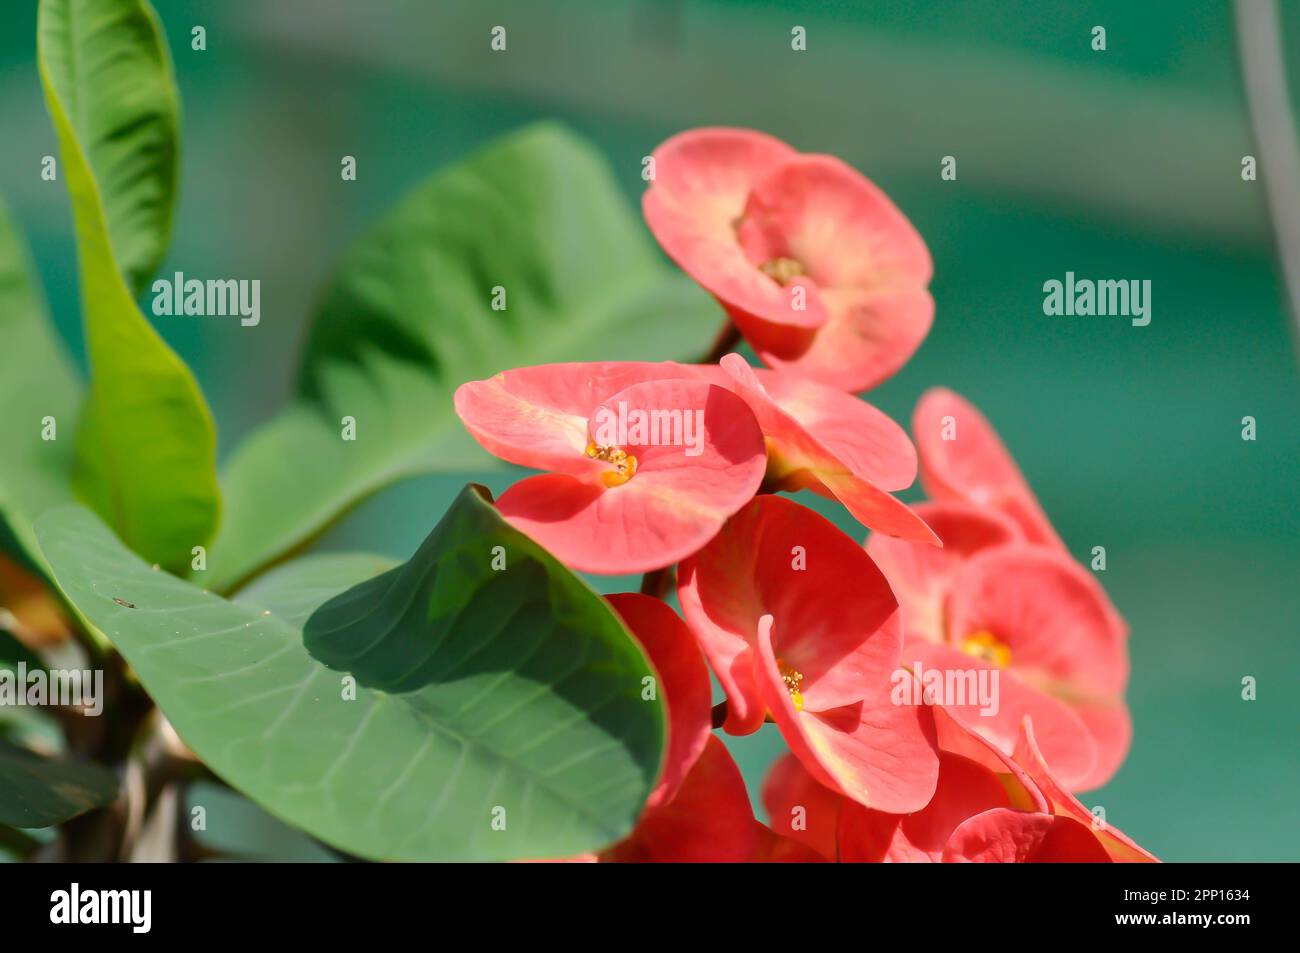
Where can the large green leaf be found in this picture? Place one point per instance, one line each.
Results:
(36, 791)
(475, 689)
(36, 382)
(409, 317)
(146, 447)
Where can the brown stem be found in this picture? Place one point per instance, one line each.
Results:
(658, 582)
(720, 714)
(723, 344)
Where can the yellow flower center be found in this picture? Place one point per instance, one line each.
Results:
(793, 680)
(782, 270)
(987, 646)
(623, 464)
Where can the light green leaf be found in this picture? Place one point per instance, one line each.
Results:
(475, 689)
(409, 317)
(36, 383)
(146, 446)
(36, 791)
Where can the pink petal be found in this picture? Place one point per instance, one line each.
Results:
(800, 808)
(1064, 736)
(800, 460)
(879, 754)
(868, 334)
(772, 848)
(837, 619)
(537, 416)
(683, 684)
(973, 466)
(965, 789)
(709, 819)
(859, 435)
(1014, 837)
(670, 507)
(834, 221)
(1117, 845)
(1049, 611)
(922, 575)
(702, 181)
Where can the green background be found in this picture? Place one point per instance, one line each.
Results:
(1117, 164)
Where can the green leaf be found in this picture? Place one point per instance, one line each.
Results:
(36, 382)
(474, 689)
(36, 791)
(146, 447)
(409, 317)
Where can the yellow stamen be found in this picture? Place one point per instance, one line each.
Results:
(793, 680)
(624, 464)
(987, 646)
(782, 270)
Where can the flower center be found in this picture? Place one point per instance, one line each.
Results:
(622, 463)
(793, 680)
(782, 270)
(987, 646)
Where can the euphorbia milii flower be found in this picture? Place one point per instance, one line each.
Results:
(683, 684)
(991, 606)
(964, 460)
(643, 471)
(843, 448)
(822, 274)
(796, 621)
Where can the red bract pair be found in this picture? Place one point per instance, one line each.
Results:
(648, 460)
(821, 273)
(1004, 597)
(942, 690)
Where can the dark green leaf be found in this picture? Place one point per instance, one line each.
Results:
(36, 791)
(476, 689)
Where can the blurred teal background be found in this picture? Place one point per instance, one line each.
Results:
(1117, 164)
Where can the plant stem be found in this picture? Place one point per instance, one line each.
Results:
(658, 582)
(723, 344)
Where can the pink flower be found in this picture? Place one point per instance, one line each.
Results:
(645, 465)
(797, 622)
(822, 274)
(1024, 620)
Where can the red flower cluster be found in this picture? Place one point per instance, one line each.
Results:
(942, 690)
